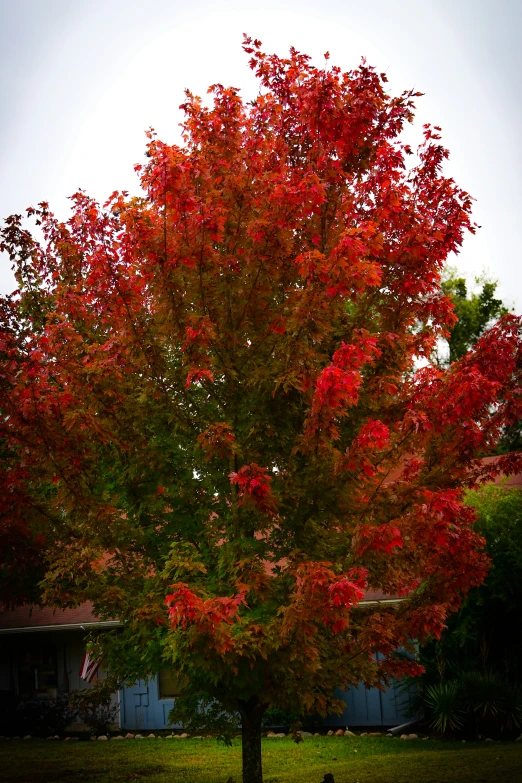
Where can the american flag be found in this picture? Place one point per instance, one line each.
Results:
(89, 667)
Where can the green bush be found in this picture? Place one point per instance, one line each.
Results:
(512, 708)
(444, 707)
(477, 661)
(277, 717)
(199, 714)
(95, 708)
(42, 717)
(476, 703)
(487, 631)
(481, 694)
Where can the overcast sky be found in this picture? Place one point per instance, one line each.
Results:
(81, 80)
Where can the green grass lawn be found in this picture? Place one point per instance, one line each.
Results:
(351, 760)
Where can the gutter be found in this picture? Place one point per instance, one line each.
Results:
(62, 627)
(116, 623)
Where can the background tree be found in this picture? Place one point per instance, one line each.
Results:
(476, 310)
(479, 648)
(487, 630)
(473, 677)
(211, 401)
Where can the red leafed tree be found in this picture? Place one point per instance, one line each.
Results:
(218, 403)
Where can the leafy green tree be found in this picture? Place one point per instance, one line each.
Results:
(476, 309)
(217, 386)
(487, 631)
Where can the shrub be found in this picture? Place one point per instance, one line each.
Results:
(512, 708)
(481, 693)
(199, 714)
(474, 703)
(444, 705)
(41, 717)
(8, 702)
(488, 628)
(96, 709)
(277, 717)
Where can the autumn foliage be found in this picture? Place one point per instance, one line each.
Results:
(218, 404)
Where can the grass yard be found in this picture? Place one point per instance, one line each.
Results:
(351, 760)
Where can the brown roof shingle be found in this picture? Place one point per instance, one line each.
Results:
(36, 617)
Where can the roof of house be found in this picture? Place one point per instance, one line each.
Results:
(35, 618)
(509, 481)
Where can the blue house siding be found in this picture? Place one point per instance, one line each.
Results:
(143, 710)
(363, 708)
(371, 707)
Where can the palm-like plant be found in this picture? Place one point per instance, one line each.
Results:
(512, 707)
(443, 702)
(476, 700)
(481, 693)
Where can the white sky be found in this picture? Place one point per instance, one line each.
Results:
(80, 81)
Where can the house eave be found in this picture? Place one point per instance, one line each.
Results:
(87, 626)
(62, 627)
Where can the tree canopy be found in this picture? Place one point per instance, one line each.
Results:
(486, 633)
(476, 310)
(220, 419)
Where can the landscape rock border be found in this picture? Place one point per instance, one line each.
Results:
(269, 735)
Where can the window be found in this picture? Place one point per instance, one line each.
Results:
(168, 684)
(38, 673)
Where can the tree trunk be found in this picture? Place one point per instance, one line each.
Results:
(251, 715)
